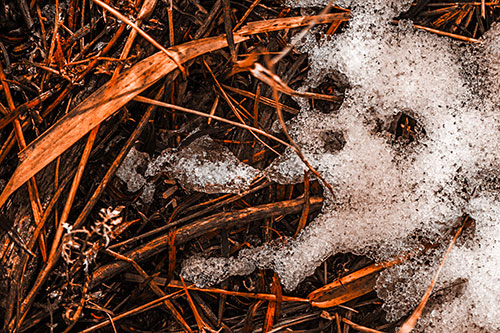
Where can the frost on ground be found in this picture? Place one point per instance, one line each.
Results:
(205, 166)
(391, 192)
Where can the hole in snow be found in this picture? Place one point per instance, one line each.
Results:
(334, 84)
(405, 128)
(333, 140)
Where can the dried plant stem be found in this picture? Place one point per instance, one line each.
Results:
(247, 13)
(202, 326)
(134, 311)
(146, 10)
(410, 323)
(359, 327)
(115, 94)
(299, 37)
(228, 27)
(444, 33)
(261, 296)
(173, 56)
(175, 223)
(154, 287)
(305, 213)
(202, 114)
(202, 227)
(233, 108)
(72, 193)
(14, 296)
(295, 146)
(81, 304)
(27, 302)
(36, 205)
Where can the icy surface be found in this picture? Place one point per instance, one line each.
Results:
(205, 166)
(391, 192)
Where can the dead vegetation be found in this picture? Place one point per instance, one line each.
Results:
(80, 88)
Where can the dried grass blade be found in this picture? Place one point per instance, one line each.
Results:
(172, 55)
(34, 196)
(172, 255)
(260, 296)
(299, 36)
(274, 306)
(197, 228)
(202, 114)
(347, 292)
(249, 318)
(133, 311)
(228, 27)
(273, 80)
(256, 106)
(444, 33)
(123, 226)
(247, 13)
(233, 108)
(274, 84)
(199, 321)
(154, 287)
(113, 95)
(318, 293)
(290, 22)
(262, 99)
(360, 327)
(170, 16)
(333, 28)
(307, 205)
(213, 109)
(100, 105)
(4, 121)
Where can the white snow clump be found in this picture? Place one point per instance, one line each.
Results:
(129, 173)
(205, 166)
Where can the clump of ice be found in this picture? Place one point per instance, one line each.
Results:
(389, 193)
(209, 271)
(130, 173)
(205, 166)
(206, 272)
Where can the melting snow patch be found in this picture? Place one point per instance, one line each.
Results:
(209, 271)
(390, 187)
(205, 166)
(129, 173)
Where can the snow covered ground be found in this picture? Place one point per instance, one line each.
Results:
(393, 193)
